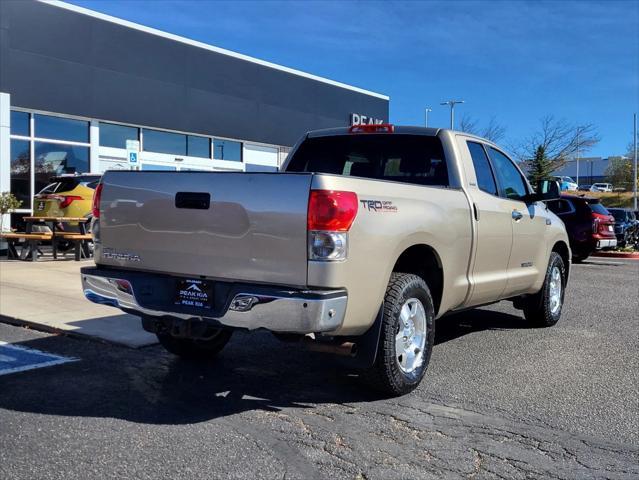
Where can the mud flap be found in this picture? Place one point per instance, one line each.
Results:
(367, 345)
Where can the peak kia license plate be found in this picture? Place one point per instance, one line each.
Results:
(194, 293)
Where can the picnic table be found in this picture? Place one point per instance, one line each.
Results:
(32, 239)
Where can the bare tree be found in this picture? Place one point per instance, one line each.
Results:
(493, 131)
(559, 139)
(468, 124)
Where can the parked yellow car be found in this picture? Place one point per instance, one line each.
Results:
(66, 196)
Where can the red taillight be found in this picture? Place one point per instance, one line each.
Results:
(66, 200)
(372, 128)
(331, 210)
(95, 208)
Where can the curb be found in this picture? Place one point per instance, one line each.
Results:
(628, 255)
(38, 327)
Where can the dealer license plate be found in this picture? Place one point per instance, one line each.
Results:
(194, 293)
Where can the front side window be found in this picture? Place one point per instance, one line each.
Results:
(164, 142)
(511, 183)
(115, 136)
(415, 159)
(227, 150)
(483, 170)
(59, 128)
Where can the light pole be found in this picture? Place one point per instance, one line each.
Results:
(426, 110)
(634, 170)
(452, 104)
(578, 132)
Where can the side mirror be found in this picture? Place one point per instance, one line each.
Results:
(547, 190)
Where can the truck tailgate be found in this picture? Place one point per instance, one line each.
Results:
(254, 228)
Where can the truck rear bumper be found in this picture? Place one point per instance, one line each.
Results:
(239, 305)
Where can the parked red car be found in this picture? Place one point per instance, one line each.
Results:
(589, 225)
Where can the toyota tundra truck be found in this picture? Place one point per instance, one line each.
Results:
(366, 237)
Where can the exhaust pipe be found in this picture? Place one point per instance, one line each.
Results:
(345, 349)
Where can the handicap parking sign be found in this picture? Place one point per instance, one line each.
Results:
(133, 157)
(15, 358)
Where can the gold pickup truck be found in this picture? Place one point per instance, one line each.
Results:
(367, 236)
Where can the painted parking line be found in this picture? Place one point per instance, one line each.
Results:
(14, 358)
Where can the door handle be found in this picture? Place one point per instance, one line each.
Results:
(517, 215)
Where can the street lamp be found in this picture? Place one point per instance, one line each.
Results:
(634, 169)
(452, 104)
(426, 110)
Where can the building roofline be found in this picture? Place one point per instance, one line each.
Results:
(206, 46)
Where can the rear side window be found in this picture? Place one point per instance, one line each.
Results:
(483, 171)
(415, 159)
(598, 208)
(561, 206)
(511, 182)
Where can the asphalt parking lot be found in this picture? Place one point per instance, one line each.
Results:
(500, 400)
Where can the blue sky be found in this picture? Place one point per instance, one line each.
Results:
(517, 61)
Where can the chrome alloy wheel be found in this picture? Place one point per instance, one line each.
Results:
(410, 341)
(555, 290)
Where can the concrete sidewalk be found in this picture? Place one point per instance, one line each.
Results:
(47, 295)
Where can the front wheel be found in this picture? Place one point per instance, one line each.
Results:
(407, 336)
(192, 349)
(544, 308)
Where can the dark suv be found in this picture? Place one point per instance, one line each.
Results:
(625, 226)
(589, 225)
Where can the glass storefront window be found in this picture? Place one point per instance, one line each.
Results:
(59, 128)
(164, 142)
(20, 175)
(19, 123)
(115, 136)
(198, 147)
(227, 150)
(53, 159)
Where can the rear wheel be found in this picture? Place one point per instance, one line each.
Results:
(192, 349)
(544, 308)
(407, 336)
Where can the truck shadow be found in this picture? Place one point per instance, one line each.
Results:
(254, 372)
(457, 325)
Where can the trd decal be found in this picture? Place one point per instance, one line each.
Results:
(378, 206)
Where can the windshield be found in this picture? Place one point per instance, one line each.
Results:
(404, 158)
(619, 215)
(598, 208)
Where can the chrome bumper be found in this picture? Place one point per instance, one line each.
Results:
(607, 243)
(297, 312)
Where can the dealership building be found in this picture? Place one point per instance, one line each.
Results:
(85, 92)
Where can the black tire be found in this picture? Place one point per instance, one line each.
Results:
(191, 349)
(537, 308)
(386, 375)
(578, 258)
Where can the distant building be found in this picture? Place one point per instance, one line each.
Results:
(591, 169)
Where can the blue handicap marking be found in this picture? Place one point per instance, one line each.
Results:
(133, 157)
(14, 358)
